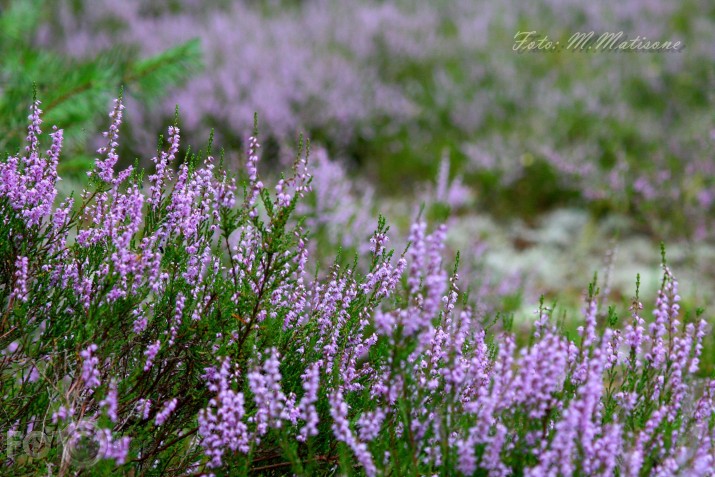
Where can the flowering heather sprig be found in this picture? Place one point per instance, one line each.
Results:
(254, 184)
(29, 183)
(343, 433)
(21, 275)
(143, 407)
(162, 173)
(635, 332)
(306, 407)
(700, 334)
(90, 373)
(178, 313)
(369, 424)
(115, 449)
(33, 129)
(62, 414)
(150, 354)
(221, 425)
(104, 168)
(110, 402)
(666, 321)
(165, 411)
(588, 331)
(268, 395)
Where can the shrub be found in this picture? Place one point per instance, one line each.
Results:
(167, 327)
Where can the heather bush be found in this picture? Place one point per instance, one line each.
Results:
(166, 324)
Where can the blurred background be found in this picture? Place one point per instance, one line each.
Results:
(546, 166)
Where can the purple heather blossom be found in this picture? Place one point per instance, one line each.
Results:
(634, 335)
(110, 402)
(491, 460)
(90, 374)
(542, 369)
(178, 313)
(62, 414)
(306, 407)
(635, 458)
(588, 331)
(163, 172)
(254, 184)
(466, 458)
(698, 349)
(221, 424)
(165, 412)
(105, 167)
(143, 407)
(20, 291)
(378, 241)
(342, 432)
(666, 322)
(268, 395)
(29, 182)
(140, 322)
(113, 449)
(370, 423)
(33, 129)
(150, 354)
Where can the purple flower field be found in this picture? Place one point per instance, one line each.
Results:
(365, 244)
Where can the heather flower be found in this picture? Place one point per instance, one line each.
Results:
(21, 276)
(369, 424)
(110, 402)
(634, 336)
(33, 129)
(29, 182)
(221, 424)
(62, 414)
(150, 354)
(104, 168)
(178, 312)
(255, 185)
(163, 172)
(306, 407)
(698, 347)
(666, 321)
(165, 411)
(90, 373)
(143, 407)
(267, 394)
(588, 332)
(140, 322)
(467, 461)
(342, 431)
(492, 454)
(116, 449)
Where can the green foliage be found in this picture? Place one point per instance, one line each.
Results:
(75, 91)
